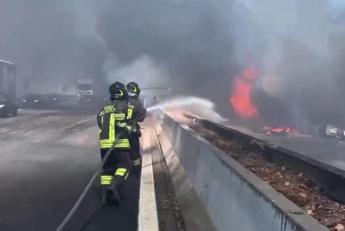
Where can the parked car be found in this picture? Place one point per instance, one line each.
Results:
(7, 106)
(34, 101)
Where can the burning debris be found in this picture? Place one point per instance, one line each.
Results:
(281, 131)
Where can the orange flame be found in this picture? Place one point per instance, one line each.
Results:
(281, 130)
(241, 98)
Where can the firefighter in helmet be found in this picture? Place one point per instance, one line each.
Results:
(114, 143)
(139, 116)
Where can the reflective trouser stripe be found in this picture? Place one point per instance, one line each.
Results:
(136, 162)
(106, 180)
(121, 172)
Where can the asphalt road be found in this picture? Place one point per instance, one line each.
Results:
(46, 159)
(326, 150)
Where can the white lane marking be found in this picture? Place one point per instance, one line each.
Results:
(148, 219)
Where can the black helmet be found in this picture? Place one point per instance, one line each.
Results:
(133, 89)
(117, 90)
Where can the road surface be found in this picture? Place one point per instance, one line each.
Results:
(47, 158)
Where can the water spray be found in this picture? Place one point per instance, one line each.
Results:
(201, 107)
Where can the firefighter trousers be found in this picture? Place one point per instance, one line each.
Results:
(116, 168)
(134, 153)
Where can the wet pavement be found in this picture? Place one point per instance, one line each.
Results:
(47, 158)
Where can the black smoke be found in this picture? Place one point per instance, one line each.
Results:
(204, 44)
(199, 45)
(192, 39)
(305, 47)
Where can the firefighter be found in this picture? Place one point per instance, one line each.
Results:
(114, 138)
(139, 116)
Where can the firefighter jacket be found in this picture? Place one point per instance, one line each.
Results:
(137, 113)
(112, 122)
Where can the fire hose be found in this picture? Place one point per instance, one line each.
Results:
(87, 188)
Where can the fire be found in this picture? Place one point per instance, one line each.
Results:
(241, 98)
(281, 131)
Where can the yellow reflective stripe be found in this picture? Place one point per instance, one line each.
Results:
(120, 143)
(119, 116)
(106, 177)
(106, 180)
(121, 172)
(129, 113)
(105, 146)
(118, 146)
(102, 121)
(122, 125)
(136, 162)
(112, 131)
(105, 183)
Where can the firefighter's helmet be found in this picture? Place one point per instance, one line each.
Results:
(133, 89)
(117, 90)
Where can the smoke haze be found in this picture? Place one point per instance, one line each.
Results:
(196, 47)
(302, 43)
(52, 41)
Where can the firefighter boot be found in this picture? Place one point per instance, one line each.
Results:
(115, 189)
(111, 196)
(116, 195)
(107, 195)
(136, 167)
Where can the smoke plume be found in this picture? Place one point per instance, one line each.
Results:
(195, 47)
(203, 45)
(300, 64)
(188, 42)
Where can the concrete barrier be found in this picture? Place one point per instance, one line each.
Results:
(217, 193)
(327, 177)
